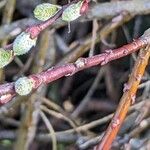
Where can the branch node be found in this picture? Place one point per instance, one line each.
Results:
(37, 81)
(106, 60)
(115, 122)
(73, 72)
(126, 87)
(109, 51)
(138, 77)
(33, 31)
(125, 52)
(80, 63)
(133, 97)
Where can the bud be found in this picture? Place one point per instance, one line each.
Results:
(23, 43)
(45, 11)
(23, 86)
(72, 12)
(6, 57)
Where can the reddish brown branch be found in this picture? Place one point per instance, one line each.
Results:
(57, 72)
(127, 99)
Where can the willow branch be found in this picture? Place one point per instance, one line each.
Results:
(54, 73)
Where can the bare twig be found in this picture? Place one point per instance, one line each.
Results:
(51, 130)
(126, 100)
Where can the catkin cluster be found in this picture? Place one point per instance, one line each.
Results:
(46, 10)
(23, 42)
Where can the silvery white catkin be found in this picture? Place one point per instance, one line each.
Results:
(6, 57)
(23, 86)
(45, 11)
(23, 43)
(72, 12)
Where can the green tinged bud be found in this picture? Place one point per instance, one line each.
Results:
(72, 12)
(6, 57)
(23, 86)
(23, 43)
(45, 11)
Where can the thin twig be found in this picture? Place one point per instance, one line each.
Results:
(51, 130)
(126, 100)
(58, 115)
(87, 97)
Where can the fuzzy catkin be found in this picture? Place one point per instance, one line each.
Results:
(45, 11)
(6, 57)
(72, 12)
(23, 43)
(23, 86)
